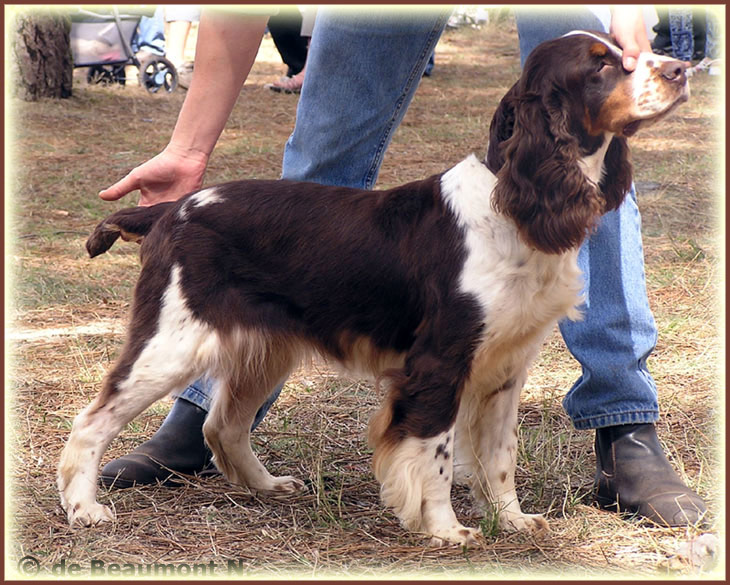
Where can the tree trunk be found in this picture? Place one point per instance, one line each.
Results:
(41, 61)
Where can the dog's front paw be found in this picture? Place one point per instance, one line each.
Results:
(286, 485)
(84, 516)
(456, 535)
(530, 523)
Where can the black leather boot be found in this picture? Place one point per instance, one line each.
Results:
(177, 446)
(634, 476)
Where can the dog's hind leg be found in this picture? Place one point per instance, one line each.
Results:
(93, 429)
(175, 349)
(262, 364)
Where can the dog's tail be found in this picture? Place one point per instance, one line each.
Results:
(132, 225)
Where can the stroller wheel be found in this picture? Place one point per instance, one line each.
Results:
(157, 72)
(106, 74)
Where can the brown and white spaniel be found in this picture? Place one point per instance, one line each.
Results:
(443, 289)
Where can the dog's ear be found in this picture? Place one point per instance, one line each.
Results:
(540, 184)
(500, 130)
(617, 173)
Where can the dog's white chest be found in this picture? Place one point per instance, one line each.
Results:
(521, 290)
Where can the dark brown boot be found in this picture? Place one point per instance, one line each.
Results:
(177, 447)
(634, 476)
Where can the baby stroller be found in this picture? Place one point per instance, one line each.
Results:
(102, 41)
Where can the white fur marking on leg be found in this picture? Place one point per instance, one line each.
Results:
(416, 476)
(77, 469)
(187, 343)
(179, 351)
(487, 450)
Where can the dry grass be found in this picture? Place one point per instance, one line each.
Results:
(66, 151)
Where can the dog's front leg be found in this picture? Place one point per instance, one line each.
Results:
(434, 462)
(487, 452)
(415, 476)
(413, 439)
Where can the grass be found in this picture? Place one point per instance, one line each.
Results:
(66, 151)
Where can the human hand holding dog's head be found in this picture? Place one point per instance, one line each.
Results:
(629, 30)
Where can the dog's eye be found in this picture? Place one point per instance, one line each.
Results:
(606, 63)
(595, 77)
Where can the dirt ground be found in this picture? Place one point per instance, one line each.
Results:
(65, 317)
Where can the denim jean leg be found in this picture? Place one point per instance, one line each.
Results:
(535, 25)
(201, 393)
(363, 69)
(618, 332)
(150, 34)
(681, 32)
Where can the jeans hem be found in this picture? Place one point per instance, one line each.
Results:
(611, 420)
(195, 396)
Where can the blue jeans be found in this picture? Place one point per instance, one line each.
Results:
(151, 30)
(362, 72)
(151, 33)
(345, 120)
(681, 32)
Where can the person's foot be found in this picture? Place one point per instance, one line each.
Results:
(633, 476)
(177, 447)
(287, 84)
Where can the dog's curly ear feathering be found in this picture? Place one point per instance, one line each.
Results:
(442, 288)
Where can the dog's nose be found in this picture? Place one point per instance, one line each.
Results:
(674, 71)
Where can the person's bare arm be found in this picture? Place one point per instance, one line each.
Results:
(225, 52)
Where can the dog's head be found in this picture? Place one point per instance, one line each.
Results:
(572, 109)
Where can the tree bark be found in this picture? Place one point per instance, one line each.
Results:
(41, 61)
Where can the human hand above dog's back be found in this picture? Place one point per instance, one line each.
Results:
(168, 176)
